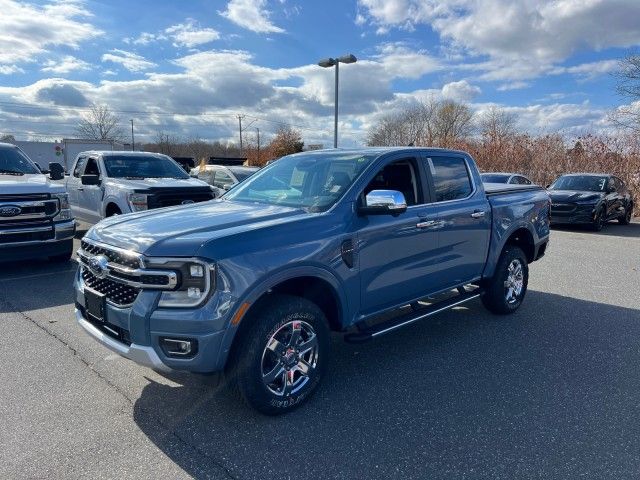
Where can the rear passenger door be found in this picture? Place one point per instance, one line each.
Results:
(464, 215)
(90, 196)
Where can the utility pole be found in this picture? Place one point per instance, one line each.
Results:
(258, 130)
(133, 141)
(240, 125)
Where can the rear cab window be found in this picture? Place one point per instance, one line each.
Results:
(451, 178)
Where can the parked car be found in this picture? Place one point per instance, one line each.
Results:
(222, 177)
(106, 183)
(501, 177)
(590, 198)
(340, 240)
(35, 219)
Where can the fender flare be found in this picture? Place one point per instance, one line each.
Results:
(269, 281)
(494, 254)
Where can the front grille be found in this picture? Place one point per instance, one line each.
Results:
(117, 293)
(130, 261)
(562, 208)
(32, 207)
(176, 196)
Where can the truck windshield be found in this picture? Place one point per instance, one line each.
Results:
(152, 166)
(14, 162)
(311, 181)
(580, 183)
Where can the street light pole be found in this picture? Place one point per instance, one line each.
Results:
(133, 141)
(335, 114)
(335, 62)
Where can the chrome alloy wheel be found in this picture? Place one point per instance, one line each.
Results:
(291, 354)
(514, 283)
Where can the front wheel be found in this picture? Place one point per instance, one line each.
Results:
(599, 220)
(281, 358)
(505, 291)
(626, 218)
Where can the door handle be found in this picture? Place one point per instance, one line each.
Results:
(478, 214)
(80, 189)
(430, 224)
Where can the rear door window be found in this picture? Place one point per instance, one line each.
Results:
(451, 178)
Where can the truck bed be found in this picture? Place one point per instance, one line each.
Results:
(500, 188)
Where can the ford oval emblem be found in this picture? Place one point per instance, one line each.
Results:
(99, 266)
(187, 202)
(10, 211)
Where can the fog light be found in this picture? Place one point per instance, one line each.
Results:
(194, 292)
(196, 270)
(179, 347)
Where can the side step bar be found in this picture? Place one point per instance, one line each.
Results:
(369, 333)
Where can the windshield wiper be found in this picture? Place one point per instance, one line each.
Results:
(11, 172)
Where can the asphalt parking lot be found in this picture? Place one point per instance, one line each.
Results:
(550, 392)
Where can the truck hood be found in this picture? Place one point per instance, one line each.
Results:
(570, 196)
(31, 183)
(140, 184)
(181, 231)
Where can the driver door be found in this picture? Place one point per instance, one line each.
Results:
(396, 253)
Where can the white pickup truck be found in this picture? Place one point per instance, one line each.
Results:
(35, 219)
(107, 183)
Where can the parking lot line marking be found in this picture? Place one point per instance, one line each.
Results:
(35, 275)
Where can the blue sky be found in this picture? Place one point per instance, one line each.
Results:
(548, 62)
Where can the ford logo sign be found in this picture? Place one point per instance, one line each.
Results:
(99, 266)
(187, 202)
(10, 211)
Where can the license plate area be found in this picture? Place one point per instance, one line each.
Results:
(95, 304)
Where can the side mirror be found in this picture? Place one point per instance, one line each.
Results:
(384, 202)
(90, 179)
(56, 171)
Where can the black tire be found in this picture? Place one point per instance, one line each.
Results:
(63, 257)
(628, 214)
(252, 360)
(496, 298)
(599, 220)
(113, 210)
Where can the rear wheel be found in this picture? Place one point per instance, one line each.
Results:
(626, 218)
(281, 358)
(506, 290)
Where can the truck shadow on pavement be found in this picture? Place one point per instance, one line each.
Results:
(550, 391)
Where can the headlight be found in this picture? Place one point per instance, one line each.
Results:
(196, 280)
(138, 201)
(65, 212)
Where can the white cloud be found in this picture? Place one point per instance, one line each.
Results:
(589, 70)
(145, 38)
(522, 38)
(461, 91)
(505, 87)
(10, 69)
(67, 64)
(252, 15)
(188, 34)
(129, 60)
(27, 30)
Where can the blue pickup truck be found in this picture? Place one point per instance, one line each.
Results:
(360, 241)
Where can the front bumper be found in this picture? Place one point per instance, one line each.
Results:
(135, 332)
(143, 355)
(572, 214)
(60, 243)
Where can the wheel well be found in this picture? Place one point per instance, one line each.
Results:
(522, 238)
(314, 289)
(112, 208)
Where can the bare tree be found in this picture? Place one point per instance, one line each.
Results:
(628, 87)
(286, 141)
(167, 144)
(412, 126)
(452, 122)
(496, 125)
(7, 138)
(100, 124)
